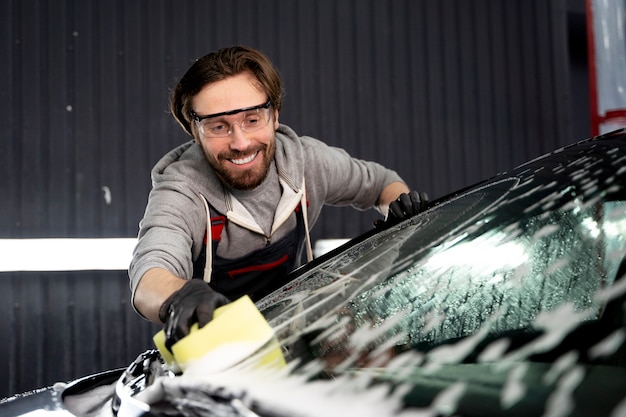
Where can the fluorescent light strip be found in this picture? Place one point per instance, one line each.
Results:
(65, 254)
(112, 254)
(323, 246)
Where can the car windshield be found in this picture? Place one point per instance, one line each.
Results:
(532, 252)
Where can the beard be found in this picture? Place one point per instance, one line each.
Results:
(240, 179)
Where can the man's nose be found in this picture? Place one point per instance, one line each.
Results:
(238, 138)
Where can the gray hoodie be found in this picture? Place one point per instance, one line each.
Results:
(172, 232)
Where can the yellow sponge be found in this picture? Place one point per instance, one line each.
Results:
(238, 331)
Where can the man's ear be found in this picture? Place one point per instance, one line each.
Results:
(194, 133)
(276, 123)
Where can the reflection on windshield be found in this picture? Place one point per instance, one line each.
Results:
(484, 277)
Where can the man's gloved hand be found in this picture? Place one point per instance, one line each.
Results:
(407, 205)
(194, 302)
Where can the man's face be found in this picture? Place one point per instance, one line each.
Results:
(241, 159)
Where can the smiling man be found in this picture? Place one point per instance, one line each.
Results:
(233, 207)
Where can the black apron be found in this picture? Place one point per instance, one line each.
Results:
(258, 273)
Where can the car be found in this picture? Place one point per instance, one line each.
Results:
(504, 298)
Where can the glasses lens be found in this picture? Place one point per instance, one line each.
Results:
(251, 121)
(213, 128)
(255, 120)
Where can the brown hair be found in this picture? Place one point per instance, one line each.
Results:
(217, 66)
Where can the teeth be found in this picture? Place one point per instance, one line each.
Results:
(244, 160)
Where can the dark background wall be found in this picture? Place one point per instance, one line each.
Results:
(446, 92)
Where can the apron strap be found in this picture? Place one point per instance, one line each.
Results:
(303, 204)
(208, 265)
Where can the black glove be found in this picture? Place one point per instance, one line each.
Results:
(194, 302)
(407, 205)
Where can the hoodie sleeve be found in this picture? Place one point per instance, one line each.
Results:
(343, 180)
(172, 229)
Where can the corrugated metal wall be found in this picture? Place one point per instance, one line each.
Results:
(446, 92)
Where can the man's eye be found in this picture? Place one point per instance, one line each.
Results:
(251, 120)
(217, 127)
